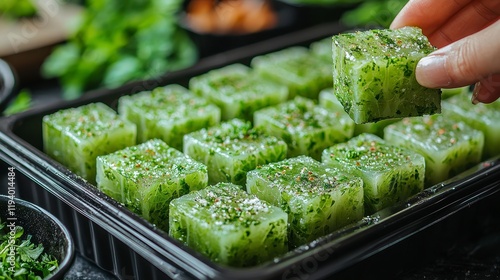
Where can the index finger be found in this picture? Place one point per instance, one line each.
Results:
(428, 14)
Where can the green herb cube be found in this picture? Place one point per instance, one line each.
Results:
(76, 136)
(237, 90)
(449, 146)
(450, 92)
(328, 100)
(229, 226)
(306, 127)
(318, 199)
(296, 67)
(167, 113)
(322, 48)
(231, 149)
(484, 117)
(146, 177)
(374, 74)
(391, 174)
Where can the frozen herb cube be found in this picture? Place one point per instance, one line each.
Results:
(318, 199)
(306, 127)
(76, 136)
(374, 74)
(484, 117)
(322, 48)
(237, 90)
(231, 149)
(449, 146)
(168, 113)
(229, 226)
(303, 73)
(390, 173)
(328, 100)
(450, 92)
(146, 177)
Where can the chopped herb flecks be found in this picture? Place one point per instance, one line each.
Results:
(21, 258)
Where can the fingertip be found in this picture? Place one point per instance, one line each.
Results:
(485, 91)
(396, 23)
(400, 20)
(431, 72)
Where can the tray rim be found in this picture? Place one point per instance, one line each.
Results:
(385, 228)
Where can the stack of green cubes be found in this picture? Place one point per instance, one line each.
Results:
(282, 152)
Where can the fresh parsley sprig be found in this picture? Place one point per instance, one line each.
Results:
(30, 261)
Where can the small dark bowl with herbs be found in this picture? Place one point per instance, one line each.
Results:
(33, 243)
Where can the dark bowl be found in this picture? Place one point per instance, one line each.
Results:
(45, 229)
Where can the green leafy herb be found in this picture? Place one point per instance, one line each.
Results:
(373, 13)
(21, 103)
(17, 8)
(21, 259)
(120, 41)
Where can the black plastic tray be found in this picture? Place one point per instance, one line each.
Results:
(131, 248)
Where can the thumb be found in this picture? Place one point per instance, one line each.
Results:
(464, 62)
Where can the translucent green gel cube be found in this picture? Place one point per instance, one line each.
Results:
(76, 136)
(449, 146)
(374, 74)
(231, 149)
(168, 113)
(317, 198)
(146, 177)
(238, 91)
(328, 100)
(229, 226)
(296, 67)
(306, 127)
(484, 117)
(391, 174)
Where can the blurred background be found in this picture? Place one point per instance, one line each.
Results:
(69, 47)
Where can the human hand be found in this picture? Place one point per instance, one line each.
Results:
(467, 33)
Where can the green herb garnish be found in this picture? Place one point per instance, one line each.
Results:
(120, 41)
(21, 103)
(373, 13)
(17, 8)
(22, 259)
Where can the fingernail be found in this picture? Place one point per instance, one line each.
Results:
(477, 87)
(431, 72)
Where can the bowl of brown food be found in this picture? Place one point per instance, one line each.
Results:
(217, 26)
